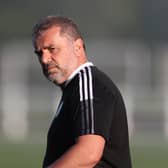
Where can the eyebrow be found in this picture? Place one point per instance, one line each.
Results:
(49, 46)
(45, 47)
(39, 51)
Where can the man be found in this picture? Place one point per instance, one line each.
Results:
(90, 126)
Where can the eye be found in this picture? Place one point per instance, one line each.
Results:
(38, 53)
(51, 49)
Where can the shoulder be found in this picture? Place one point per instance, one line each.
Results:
(103, 83)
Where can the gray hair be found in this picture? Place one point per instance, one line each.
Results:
(67, 26)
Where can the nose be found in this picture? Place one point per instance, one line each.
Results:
(45, 57)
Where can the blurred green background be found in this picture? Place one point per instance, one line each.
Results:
(128, 39)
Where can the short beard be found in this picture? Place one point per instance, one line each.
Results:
(58, 78)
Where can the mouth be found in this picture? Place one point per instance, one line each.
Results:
(51, 68)
(48, 69)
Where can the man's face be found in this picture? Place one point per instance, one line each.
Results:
(56, 54)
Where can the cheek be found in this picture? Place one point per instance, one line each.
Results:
(64, 58)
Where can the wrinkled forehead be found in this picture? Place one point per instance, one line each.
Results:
(43, 32)
(52, 37)
(50, 33)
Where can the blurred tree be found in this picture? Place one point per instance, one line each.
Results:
(95, 18)
(144, 19)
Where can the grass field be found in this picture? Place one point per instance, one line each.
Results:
(21, 155)
(150, 156)
(31, 155)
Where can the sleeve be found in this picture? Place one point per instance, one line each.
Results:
(94, 110)
(103, 106)
(94, 116)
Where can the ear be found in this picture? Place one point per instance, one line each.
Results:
(78, 46)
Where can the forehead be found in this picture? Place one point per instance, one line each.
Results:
(49, 33)
(51, 36)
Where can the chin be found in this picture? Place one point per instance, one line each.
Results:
(55, 80)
